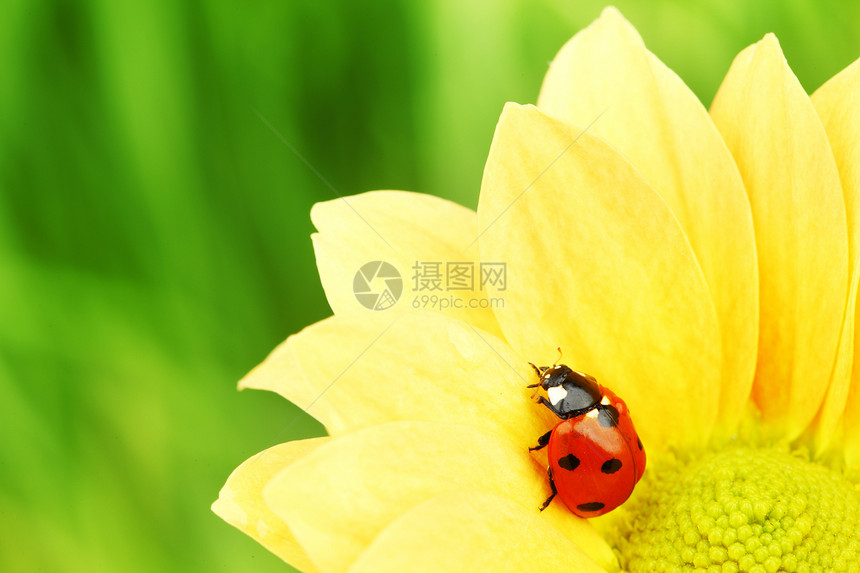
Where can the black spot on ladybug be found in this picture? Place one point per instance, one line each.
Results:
(569, 462)
(639, 443)
(607, 415)
(590, 506)
(611, 466)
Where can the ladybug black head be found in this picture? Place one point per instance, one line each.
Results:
(570, 393)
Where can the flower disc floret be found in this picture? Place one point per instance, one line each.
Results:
(755, 510)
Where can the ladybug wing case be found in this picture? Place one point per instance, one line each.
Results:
(596, 459)
(625, 425)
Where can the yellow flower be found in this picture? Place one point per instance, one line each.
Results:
(702, 265)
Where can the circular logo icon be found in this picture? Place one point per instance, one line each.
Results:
(377, 285)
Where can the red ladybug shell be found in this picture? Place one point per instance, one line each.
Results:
(596, 458)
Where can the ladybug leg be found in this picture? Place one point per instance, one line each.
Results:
(542, 442)
(552, 408)
(539, 372)
(552, 487)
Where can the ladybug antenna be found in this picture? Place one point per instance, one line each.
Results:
(559, 356)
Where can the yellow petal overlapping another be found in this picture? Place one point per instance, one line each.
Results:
(838, 105)
(654, 120)
(702, 264)
(492, 533)
(338, 514)
(614, 267)
(790, 175)
(241, 503)
(399, 228)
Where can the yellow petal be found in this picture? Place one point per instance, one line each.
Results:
(240, 502)
(599, 266)
(281, 372)
(358, 370)
(471, 531)
(338, 498)
(654, 120)
(789, 172)
(826, 424)
(851, 420)
(838, 107)
(402, 229)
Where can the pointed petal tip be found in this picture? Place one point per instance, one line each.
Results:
(316, 214)
(613, 16)
(770, 44)
(215, 506)
(770, 39)
(512, 107)
(246, 381)
(611, 12)
(228, 510)
(514, 113)
(611, 28)
(766, 51)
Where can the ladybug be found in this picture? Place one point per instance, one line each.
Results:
(595, 456)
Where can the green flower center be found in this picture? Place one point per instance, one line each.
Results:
(755, 510)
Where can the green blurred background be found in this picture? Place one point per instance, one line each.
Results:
(154, 230)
